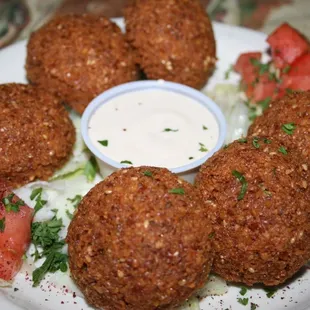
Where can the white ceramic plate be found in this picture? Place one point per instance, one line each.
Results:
(295, 295)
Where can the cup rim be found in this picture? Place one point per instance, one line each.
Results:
(198, 96)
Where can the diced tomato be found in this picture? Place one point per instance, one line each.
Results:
(297, 82)
(262, 90)
(301, 66)
(15, 237)
(243, 62)
(287, 44)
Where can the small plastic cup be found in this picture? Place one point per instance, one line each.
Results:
(108, 165)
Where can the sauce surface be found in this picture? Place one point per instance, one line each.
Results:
(153, 127)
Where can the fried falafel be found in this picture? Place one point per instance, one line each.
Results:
(36, 134)
(140, 240)
(257, 197)
(77, 57)
(173, 40)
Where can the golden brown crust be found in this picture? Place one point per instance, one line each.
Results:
(36, 137)
(173, 40)
(264, 237)
(79, 56)
(134, 245)
(294, 108)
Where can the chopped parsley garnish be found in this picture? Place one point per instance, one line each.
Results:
(289, 128)
(262, 68)
(2, 224)
(47, 243)
(243, 291)
(148, 173)
(177, 191)
(203, 148)
(242, 140)
(243, 301)
(104, 142)
(75, 200)
(128, 162)
(289, 91)
(204, 127)
(286, 69)
(90, 169)
(244, 184)
(211, 235)
(228, 71)
(270, 292)
(37, 195)
(283, 150)
(264, 103)
(225, 146)
(10, 205)
(69, 214)
(54, 261)
(190, 158)
(255, 143)
(170, 130)
(267, 141)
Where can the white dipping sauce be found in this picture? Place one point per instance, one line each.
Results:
(153, 127)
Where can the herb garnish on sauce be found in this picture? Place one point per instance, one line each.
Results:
(203, 148)
(244, 184)
(170, 130)
(37, 194)
(255, 143)
(104, 142)
(128, 162)
(148, 173)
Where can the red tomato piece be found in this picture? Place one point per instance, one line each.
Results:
(243, 62)
(287, 44)
(262, 90)
(301, 66)
(296, 82)
(15, 237)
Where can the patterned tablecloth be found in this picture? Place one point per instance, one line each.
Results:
(18, 18)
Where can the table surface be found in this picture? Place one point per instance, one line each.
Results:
(18, 18)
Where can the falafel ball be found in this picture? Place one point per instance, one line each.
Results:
(140, 240)
(173, 40)
(257, 198)
(37, 134)
(79, 56)
(287, 120)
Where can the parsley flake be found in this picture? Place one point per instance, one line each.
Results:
(190, 158)
(204, 127)
(10, 205)
(128, 162)
(242, 140)
(75, 200)
(270, 292)
(286, 69)
(267, 141)
(228, 72)
(244, 184)
(253, 306)
(104, 142)
(2, 224)
(243, 301)
(289, 128)
(211, 235)
(283, 150)
(90, 169)
(170, 130)
(37, 195)
(243, 290)
(69, 214)
(148, 173)
(177, 191)
(255, 143)
(262, 68)
(203, 148)
(264, 103)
